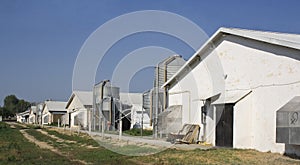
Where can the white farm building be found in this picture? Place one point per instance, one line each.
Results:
(53, 111)
(234, 85)
(80, 105)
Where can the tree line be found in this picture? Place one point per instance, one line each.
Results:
(13, 105)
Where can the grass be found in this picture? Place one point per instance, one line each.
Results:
(81, 138)
(137, 132)
(79, 149)
(15, 149)
(216, 156)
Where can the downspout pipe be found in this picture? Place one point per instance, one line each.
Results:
(101, 98)
(102, 87)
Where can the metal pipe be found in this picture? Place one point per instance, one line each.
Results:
(120, 121)
(142, 121)
(89, 119)
(151, 106)
(101, 118)
(100, 110)
(156, 106)
(94, 110)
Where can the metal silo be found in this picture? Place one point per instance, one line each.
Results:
(163, 72)
(106, 99)
(147, 101)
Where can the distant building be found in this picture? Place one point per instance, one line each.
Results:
(80, 106)
(111, 106)
(33, 115)
(138, 114)
(23, 116)
(53, 111)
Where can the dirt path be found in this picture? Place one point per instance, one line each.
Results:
(39, 143)
(13, 124)
(55, 137)
(45, 145)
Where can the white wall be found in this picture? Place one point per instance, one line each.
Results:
(81, 118)
(44, 113)
(271, 72)
(201, 83)
(79, 110)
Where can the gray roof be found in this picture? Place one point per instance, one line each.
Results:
(282, 39)
(56, 105)
(24, 113)
(85, 97)
(276, 38)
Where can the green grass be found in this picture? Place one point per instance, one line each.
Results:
(33, 126)
(15, 149)
(78, 150)
(81, 138)
(137, 132)
(216, 156)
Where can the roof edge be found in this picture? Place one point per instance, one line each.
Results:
(230, 31)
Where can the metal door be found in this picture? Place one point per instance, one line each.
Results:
(224, 127)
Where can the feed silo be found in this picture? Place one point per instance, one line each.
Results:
(155, 100)
(105, 100)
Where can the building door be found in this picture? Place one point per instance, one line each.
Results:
(224, 127)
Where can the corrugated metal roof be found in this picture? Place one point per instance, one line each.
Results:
(56, 105)
(276, 38)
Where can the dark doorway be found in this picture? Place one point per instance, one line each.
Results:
(224, 127)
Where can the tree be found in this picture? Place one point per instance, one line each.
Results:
(13, 105)
(22, 106)
(1, 111)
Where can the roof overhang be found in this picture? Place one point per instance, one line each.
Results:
(58, 112)
(70, 100)
(231, 97)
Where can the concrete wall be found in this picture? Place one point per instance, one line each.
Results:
(271, 72)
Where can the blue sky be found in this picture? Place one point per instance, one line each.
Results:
(40, 39)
